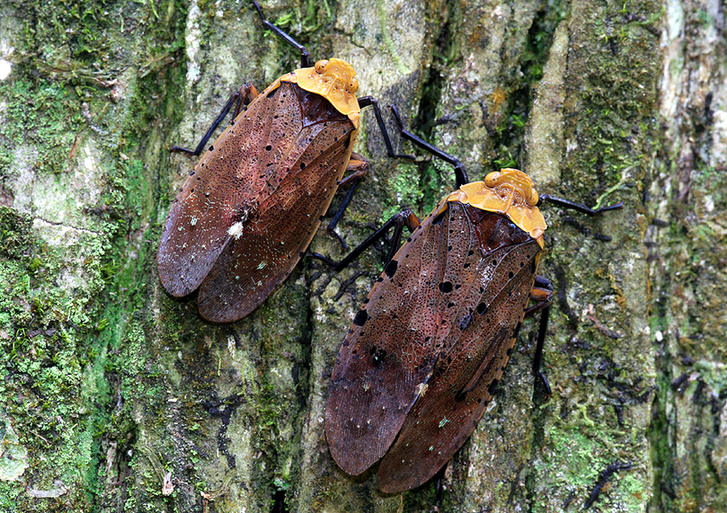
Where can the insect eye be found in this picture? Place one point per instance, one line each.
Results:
(492, 178)
(533, 198)
(353, 86)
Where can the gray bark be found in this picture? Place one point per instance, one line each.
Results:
(115, 397)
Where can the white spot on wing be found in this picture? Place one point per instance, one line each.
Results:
(235, 230)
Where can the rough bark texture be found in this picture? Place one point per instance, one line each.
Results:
(115, 397)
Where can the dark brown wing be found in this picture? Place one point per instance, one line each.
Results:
(286, 140)
(274, 240)
(403, 330)
(481, 334)
(383, 359)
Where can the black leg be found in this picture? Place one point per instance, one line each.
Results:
(538, 356)
(406, 217)
(366, 101)
(542, 294)
(244, 96)
(360, 168)
(339, 214)
(235, 97)
(304, 55)
(576, 206)
(543, 282)
(459, 171)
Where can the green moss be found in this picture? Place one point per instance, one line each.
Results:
(15, 235)
(9, 496)
(45, 117)
(66, 273)
(405, 191)
(579, 455)
(613, 98)
(633, 491)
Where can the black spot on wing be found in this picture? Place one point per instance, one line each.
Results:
(378, 355)
(361, 317)
(390, 268)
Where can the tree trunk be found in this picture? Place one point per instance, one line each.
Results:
(116, 397)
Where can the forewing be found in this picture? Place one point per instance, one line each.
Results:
(389, 353)
(243, 167)
(220, 191)
(277, 232)
(490, 309)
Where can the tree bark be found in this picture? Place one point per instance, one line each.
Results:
(116, 397)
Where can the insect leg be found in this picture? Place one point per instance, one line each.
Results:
(304, 55)
(459, 171)
(405, 217)
(245, 95)
(576, 206)
(366, 101)
(359, 167)
(538, 356)
(542, 293)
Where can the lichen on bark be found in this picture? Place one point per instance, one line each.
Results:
(118, 397)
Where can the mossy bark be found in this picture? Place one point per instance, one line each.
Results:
(116, 397)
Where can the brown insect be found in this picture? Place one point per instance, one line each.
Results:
(249, 209)
(426, 350)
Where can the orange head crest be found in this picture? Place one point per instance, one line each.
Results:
(333, 79)
(509, 192)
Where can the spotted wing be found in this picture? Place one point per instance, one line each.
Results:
(403, 332)
(478, 326)
(285, 135)
(273, 241)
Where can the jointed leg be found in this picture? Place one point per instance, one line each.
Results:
(405, 217)
(304, 55)
(542, 293)
(459, 171)
(366, 101)
(538, 356)
(244, 96)
(576, 206)
(358, 167)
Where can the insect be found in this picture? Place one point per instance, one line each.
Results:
(426, 350)
(249, 209)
